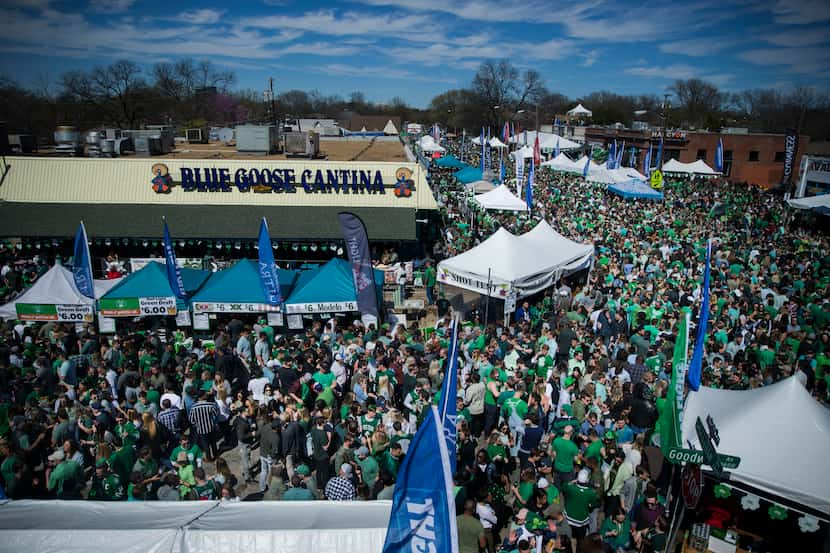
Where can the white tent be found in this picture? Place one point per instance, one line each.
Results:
(780, 433)
(698, 167)
(564, 163)
(203, 526)
(547, 141)
(476, 140)
(522, 265)
(500, 198)
(390, 128)
(428, 144)
(811, 202)
(571, 255)
(480, 186)
(580, 110)
(524, 152)
(496, 143)
(56, 287)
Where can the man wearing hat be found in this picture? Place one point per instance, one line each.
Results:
(340, 488)
(65, 477)
(580, 499)
(298, 491)
(308, 482)
(564, 453)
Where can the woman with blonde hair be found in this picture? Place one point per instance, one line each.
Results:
(153, 435)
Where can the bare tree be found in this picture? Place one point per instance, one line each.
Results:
(697, 99)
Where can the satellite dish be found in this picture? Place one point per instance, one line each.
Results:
(225, 135)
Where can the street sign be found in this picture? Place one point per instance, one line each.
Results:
(692, 486)
(657, 179)
(695, 457)
(709, 453)
(713, 430)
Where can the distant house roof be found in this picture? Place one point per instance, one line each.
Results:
(372, 123)
(313, 124)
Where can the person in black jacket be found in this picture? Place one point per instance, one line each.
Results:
(245, 427)
(293, 443)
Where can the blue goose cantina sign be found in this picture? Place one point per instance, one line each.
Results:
(282, 180)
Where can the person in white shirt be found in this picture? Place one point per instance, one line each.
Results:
(175, 400)
(487, 517)
(257, 386)
(339, 370)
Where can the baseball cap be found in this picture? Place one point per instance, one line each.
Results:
(583, 476)
(363, 451)
(303, 470)
(569, 381)
(346, 469)
(57, 455)
(542, 483)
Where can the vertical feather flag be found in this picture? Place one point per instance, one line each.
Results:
(483, 157)
(719, 156)
(82, 264)
(463, 138)
(447, 409)
(529, 191)
(620, 152)
(647, 162)
(360, 258)
(269, 277)
(612, 155)
(671, 417)
(696, 364)
(587, 163)
(423, 503)
(502, 171)
(174, 274)
(505, 134)
(520, 174)
(556, 152)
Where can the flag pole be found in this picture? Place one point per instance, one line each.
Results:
(487, 304)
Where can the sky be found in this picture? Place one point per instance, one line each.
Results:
(418, 49)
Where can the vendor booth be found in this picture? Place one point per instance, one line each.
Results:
(147, 292)
(778, 497)
(500, 199)
(238, 290)
(698, 167)
(449, 162)
(55, 297)
(329, 289)
(635, 189)
(468, 174)
(480, 186)
(505, 264)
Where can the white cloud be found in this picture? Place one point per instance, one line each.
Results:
(530, 11)
(801, 12)
(697, 47)
(326, 22)
(806, 60)
(203, 16)
(110, 6)
(679, 71)
(802, 37)
(590, 58)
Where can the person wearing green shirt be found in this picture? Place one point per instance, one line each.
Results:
(192, 452)
(324, 377)
(429, 282)
(580, 499)
(66, 477)
(616, 530)
(564, 452)
(368, 466)
(515, 404)
(106, 485)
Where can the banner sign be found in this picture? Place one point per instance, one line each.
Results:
(226, 307)
(52, 312)
(360, 258)
(790, 147)
(82, 264)
(321, 307)
(137, 263)
(137, 307)
(268, 274)
(106, 325)
(201, 321)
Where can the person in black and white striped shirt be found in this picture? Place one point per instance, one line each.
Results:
(202, 418)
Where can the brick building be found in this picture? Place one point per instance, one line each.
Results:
(748, 157)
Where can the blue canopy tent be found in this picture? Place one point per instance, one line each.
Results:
(449, 162)
(328, 289)
(238, 290)
(468, 174)
(148, 292)
(635, 189)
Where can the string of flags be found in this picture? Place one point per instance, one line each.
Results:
(750, 502)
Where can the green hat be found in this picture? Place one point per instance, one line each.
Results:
(568, 409)
(102, 463)
(569, 381)
(303, 470)
(610, 435)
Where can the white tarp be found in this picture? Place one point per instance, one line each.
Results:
(480, 186)
(500, 198)
(781, 434)
(522, 265)
(193, 526)
(547, 141)
(55, 287)
(698, 167)
(811, 202)
(580, 110)
(428, 144)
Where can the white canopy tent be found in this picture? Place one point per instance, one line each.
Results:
(580, 110)
(811, 202)
(547, 141)
(793, 465)
(496, 143)
(573, 256)
(187, 527)
(390, 128)
(698, 167)
(505, 263)
(55, 287)
(564, 163)
(500, 198)
(428, 144)
(524, 152)
(480, 186)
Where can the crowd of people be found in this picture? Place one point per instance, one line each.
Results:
(557, 407)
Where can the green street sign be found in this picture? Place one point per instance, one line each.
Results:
(696, 457)
(710, 456)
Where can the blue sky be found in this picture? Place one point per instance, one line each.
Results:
(417, 49)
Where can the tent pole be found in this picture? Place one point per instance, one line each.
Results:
(487, 304)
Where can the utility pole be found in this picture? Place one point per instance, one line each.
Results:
(273, 103)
